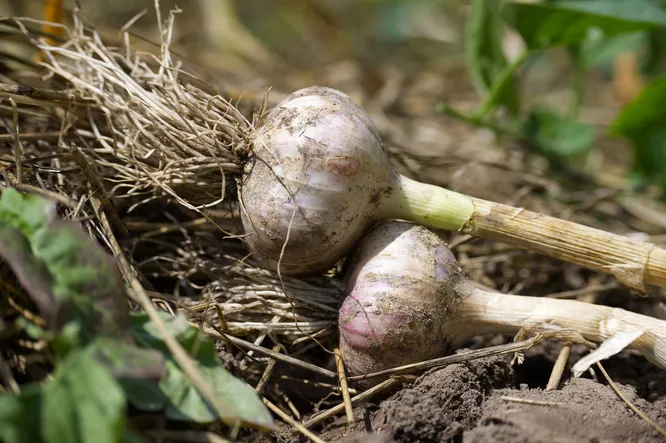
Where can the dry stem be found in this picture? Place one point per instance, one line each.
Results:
(483, 312)
(461, 357)
(558, 367)
(633, 262)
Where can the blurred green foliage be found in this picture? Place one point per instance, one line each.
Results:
(594, 33)
(643, 122)
(105, 357)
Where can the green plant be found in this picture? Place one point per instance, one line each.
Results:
(593, 32)
(106, 358)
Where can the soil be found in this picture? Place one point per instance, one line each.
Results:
(492, 400)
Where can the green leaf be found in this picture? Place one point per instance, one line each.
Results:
(546, 25)
(81, 404)
(20, 416)
(127, 361)
(502, 87)
(642, 122)
(483, 49)
(555, 135)
(66, 272)
(33, 275)
(600, 51)
(86, 276)
(183, 400)
(144, 395)
(655, 57)
(645, 111)
(27, 213)
(650, 156)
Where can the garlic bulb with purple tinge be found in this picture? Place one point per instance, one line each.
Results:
(399, 293)
(407, 300)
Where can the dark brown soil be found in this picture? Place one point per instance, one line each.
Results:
(489, 401)
(582, 411)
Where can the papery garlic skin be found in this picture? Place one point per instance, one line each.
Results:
(318, 174)
(399, 298)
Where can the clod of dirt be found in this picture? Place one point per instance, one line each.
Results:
(582, 411)
(464, 404)
(372, 438)
(443, 403)
(414, 418)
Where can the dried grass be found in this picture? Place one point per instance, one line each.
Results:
(166, 150)
(156, 131)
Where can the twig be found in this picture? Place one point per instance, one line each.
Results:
(261, 350)
(43, 136)
(139, 295)
(30, 95)
(633, 407)
(302, 429)
(7, 376)
(7, 111)
(289, 403)
(55, 196)
(349, 411)
(458, 358)
(582, 291)
(98, 188)
(317, 384)
(358, 399)
(558, 368)
(460, 240)
(18, 149)
(267, 372)
(531, 402)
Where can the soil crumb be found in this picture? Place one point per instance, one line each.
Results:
(476, 402)
(438, 407)
(583, 410)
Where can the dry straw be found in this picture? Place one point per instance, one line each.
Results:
(155, 129)
(149, 134)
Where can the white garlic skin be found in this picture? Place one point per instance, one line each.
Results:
(400, 295)
(317, 175)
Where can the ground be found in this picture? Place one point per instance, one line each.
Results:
(481, 402)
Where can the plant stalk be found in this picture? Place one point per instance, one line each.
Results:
(634, 263)
(484, 312)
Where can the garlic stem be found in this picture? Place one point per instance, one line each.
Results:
(484, 312)
(319, 177)
(407, 300)
(632, 262)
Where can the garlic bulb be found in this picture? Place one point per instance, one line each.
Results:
(399, 290)
(316, 179)
(407, 300)
(319, 177)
